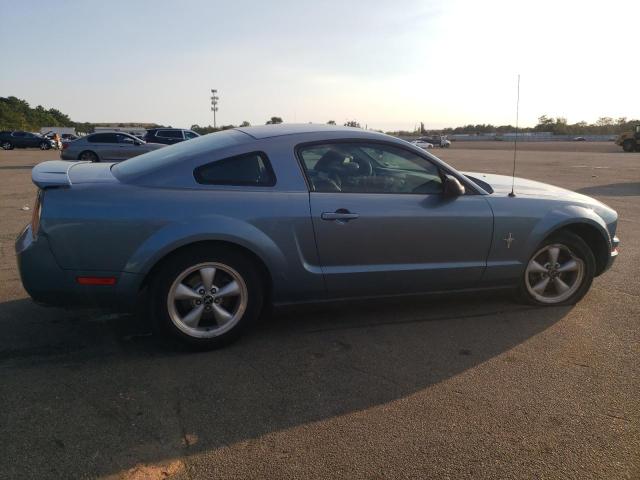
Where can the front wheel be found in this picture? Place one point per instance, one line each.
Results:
(6, 145)
(206, 297)
(560, 272)
(45, 145)
(628, 145)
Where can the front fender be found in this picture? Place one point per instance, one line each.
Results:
(561, 217)
(178, 234)
(528, 226)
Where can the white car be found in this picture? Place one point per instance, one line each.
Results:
(422, 144)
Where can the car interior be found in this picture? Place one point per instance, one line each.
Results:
(353, 168)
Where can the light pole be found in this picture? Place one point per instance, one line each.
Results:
(214, 105)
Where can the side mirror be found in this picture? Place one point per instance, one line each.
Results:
(452, 187)
(137, 142)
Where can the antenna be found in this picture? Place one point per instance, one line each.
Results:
(515, 143)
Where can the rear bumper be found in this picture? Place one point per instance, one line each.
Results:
(47, 283)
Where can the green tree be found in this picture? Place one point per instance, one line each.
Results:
(245, 124)
(352, 123)
(331, 122)
(274, 121)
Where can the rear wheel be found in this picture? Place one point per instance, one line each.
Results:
(560, 272)
(629, 146)
(88, 156)
(6, 145)
(206, 297)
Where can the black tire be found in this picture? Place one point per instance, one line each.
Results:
(629, 145)
(6, 145)
(45, 146)
(579, 248)
(88, 156)
(171, 270)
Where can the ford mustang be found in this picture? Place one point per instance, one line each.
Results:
(211, 231)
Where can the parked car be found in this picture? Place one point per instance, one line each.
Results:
(422, 144)
(169, 136)
(579, 139)
(19, 139)
(210, 231)
(106, 147)
(437, 141)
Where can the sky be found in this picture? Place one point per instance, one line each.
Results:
(388, 65)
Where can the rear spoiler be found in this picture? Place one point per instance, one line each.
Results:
(53, 174)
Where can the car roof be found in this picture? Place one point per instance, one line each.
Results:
(277, 130)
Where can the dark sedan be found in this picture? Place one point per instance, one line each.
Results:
(19, 139)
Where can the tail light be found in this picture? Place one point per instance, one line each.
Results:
(35, 218)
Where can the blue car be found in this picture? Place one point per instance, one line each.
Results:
(211, 231)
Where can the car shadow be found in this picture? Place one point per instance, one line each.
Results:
(88, 393)
(630, 189)
(16, 167)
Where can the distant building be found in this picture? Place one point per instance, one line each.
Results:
(115, 128)
(58, 130)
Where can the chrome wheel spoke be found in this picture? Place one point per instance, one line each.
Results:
(207, 275)
(554, 252)
(545, 267)
(192, 319)
(231, 289)
(561, 287)
(535, 267)
(569, 266)
(541, 286)
(186, 293)
(197, 306)
(222, 316)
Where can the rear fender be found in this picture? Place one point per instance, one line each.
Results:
(176, 235)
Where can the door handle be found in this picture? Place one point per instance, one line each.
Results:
(341, 215)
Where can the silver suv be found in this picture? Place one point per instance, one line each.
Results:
(169, 136)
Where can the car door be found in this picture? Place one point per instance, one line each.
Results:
(105, 145)
(128, 147)
(383, 224)
(19, 139)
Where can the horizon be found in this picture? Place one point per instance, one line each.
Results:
(307, 63)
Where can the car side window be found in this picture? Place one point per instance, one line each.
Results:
(103, 138)
(189, 134)
(368, 168)
(19, 134)
(248, 169)
(125, 139)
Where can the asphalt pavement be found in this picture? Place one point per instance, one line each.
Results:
(461, 386)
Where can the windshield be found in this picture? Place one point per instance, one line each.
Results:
(163, 157)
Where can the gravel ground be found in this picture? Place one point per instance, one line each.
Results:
(472, 386)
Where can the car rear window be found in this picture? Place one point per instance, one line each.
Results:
(144, 164)
(169, 133)
(248, 169)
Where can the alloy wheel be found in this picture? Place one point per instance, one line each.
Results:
(554, 274)
(207, 300)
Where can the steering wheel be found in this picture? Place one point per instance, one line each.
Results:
(365, 168)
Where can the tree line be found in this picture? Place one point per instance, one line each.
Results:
(17, 114)
(554, 125)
